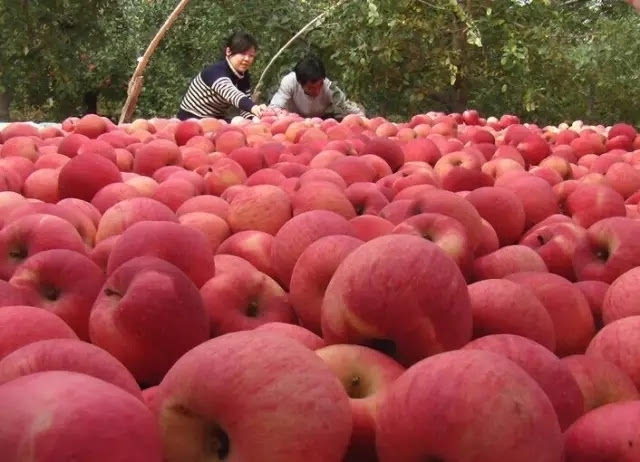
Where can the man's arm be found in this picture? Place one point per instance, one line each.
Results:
(341, 105)
(284, 94)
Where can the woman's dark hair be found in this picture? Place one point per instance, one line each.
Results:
(239, 42)
(309, 69)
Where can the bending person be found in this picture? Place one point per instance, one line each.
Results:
(308, 92)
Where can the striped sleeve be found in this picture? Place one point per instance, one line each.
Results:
(227, 90)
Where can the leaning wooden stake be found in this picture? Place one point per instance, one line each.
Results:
(135, 84)
(256, 93)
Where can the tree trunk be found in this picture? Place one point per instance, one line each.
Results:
(5, 102)
(91, 102)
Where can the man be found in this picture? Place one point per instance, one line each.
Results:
(308, 92)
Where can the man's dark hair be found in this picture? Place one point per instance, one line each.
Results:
(240, 41)
(309, 69)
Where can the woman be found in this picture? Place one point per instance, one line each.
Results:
(224, 84)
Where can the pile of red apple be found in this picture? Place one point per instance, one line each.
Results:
(299, 290)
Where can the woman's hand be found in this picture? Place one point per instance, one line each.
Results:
(257, 110)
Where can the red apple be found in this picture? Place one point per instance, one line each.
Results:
(371, 282)
(366, 375)
(276, 400)
(460, 406)
(148, 314)
(86, 419)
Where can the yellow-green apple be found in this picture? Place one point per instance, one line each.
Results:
(504, 307)
(84, 175)
(569, 310)
(126, 213)
(259, 208)
(63, 282)
(312, 273)
(113, 193)
(86, 419)
(242, 298)
(182, 246)
(445, 232)
(607, 433)
(507, 260)
(22, 325)
(63, 354)
(32, 234)
(490, 409)
(589, 204)
(610, 249)
(368, 227)
(601, 382)
(556, 243)
(147, 315)
(366, 375)
(275, 402)
(503, 209)
(294, 332)
(544, 367)
(367, 287)
(595, 292)
(155, 155)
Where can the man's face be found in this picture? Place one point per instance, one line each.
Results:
(313, 88)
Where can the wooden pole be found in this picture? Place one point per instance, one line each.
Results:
(256, 92)
(135, 84)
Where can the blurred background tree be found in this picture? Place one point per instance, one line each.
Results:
(546, 62)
